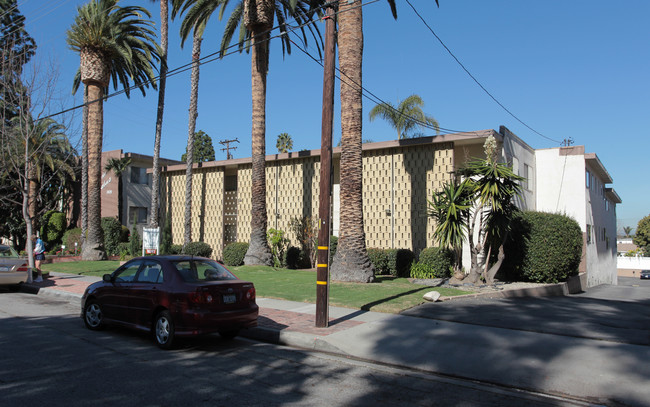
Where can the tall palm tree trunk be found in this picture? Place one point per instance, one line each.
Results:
(84, 168)
(351, 262)
(155, 187)
(194, 99)
(259, 252)
(94, 244)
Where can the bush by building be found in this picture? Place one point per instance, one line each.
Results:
(543, 248)
(433, 262)
(200, 249)
(234, 253)
(112, 235)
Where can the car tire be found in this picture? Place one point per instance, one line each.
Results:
(163, 330)
(93, 316)
(228, 333)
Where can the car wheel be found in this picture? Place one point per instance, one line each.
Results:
(164, 330)
(93, 316)
(229, 334)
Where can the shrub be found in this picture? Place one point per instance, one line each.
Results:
(123, 250)
(233, 253)
(112, 232)
(379, 259)
(70, 237)
(200, 249)
(436, 261)
(543, 248)
(423, 270)
(399, 262)
(175, 249)
(278, 244)
(166, 238)
(293, 258)
(306, 231)
(53, 228)
(396, 262)
(135, 243)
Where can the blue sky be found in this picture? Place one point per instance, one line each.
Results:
(566, 68)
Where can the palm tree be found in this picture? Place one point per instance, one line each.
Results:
(255, 20)
(113, 42)
(51, 161)
(177, 5)
(351, 262)
(406, 116)
(155, 185)
(627, 230)
(284, 143)
(118, 166)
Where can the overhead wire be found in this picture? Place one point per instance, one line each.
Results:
(366, 93)
(476, 80)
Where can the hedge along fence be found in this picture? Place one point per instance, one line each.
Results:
(543, 247)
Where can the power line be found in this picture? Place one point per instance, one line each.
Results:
(474, 78)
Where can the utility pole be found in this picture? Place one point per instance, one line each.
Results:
(228, 148)
(322, 273)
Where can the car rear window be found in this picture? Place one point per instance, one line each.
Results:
(198, 271)
(7, 251)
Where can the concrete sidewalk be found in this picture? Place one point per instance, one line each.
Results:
(594, 369)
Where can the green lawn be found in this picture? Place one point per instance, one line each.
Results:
(390, 295)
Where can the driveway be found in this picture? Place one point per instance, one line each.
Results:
(614, 313)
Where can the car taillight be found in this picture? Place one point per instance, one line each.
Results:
(23, 267)
(200, 297)
(250, 294)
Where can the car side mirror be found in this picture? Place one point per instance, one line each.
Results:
(107, 278)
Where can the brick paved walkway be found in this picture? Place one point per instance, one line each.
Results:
(301, 322)
(71, 284)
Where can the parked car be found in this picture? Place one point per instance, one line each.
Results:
(645, 274)
(171, 296)
(14, 270)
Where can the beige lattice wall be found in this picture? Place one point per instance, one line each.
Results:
(398, 181)
(207, 206)
(295, 183)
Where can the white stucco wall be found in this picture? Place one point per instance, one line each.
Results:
(561, 184)
(562, 188)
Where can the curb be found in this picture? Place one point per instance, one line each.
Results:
(291, 339)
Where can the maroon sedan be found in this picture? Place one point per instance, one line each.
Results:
(171, 296)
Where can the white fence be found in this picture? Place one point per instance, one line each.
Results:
(642, 263)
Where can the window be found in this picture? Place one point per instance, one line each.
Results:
(137, 214)
(151, 273)
(588, 180)
(528, 175)
(128, 273)
(588, 233)
(139, 175)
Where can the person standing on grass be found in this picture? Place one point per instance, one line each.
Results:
(39, 256)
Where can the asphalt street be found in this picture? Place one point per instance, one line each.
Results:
(50, 358)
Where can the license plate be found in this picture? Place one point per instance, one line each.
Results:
(229, 299)
(3, 268)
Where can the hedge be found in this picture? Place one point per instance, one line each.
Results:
(200, 249)
(233, 253)
(112, 235)
(396, 262)
(433, 262)
(543, 247)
